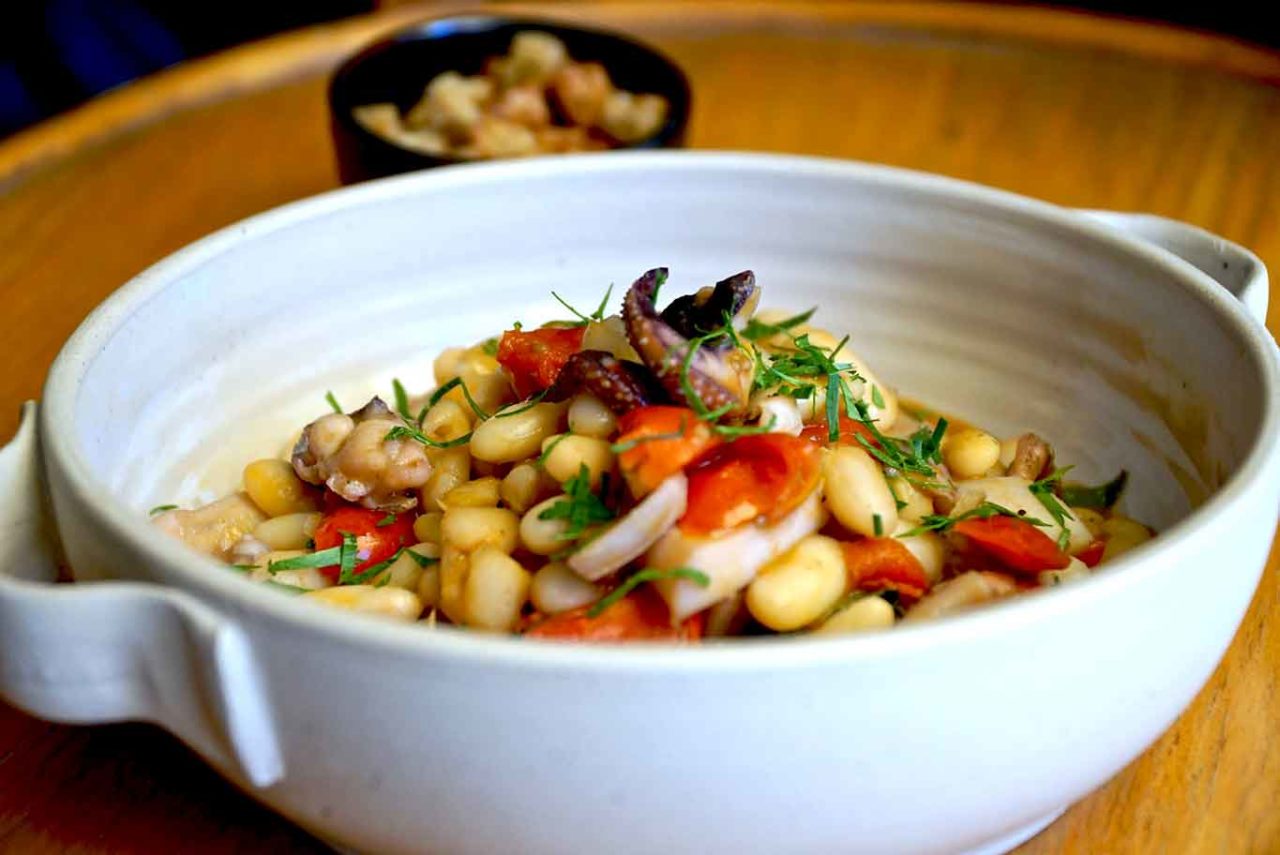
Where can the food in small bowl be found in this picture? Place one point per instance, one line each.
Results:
(475, 88)
(963, 734)
(535, 99)
(699, 471)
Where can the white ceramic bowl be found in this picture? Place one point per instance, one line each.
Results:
(967, 734)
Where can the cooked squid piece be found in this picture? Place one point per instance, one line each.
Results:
(352, 455)
(721, 378)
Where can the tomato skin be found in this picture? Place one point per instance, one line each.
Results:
(758, 477)
(883, 563)
(648, 463)
(534, 358)
(1091, 555)
(377, 543)
(639, 616)
(1017, 544)
(850, 430)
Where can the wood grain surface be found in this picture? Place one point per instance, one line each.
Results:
(1080, 110)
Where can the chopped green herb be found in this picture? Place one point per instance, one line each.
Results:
(840, 605)
(624, 447)
(580, 507)
(876, 398)
(582, 320)
(243, 568)
(1043, 491)
(159, 509)
(422, 560)
(542, 458)
(376, 570)
(323, 558)
(735, 431)
(528, 405)
(756, 330)
(940, 523)
(877, 524)
(448, 387)
(406, 432)
(402, 400)
(389, 519)
(1100, 497)
(288, 589)
(659, 279)
(349, 555)
(333, 402)
(638, 578)
(489, 347)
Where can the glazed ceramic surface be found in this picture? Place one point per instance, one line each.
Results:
(966, 734)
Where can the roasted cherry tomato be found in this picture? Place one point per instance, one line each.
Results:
(1091, 555)
(883, 563)
(850, 430)
(762, 477)
(1015, 543)
(647, 462)
(639, 616)
(534, 357)
(379, 535)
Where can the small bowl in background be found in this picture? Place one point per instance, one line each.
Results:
(398, 68)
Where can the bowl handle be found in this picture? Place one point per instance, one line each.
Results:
(1235, 268)
(119, 651)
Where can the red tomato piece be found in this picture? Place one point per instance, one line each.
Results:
(649, 462)
(760, 477)
(639, 616)
(850, 430)
(1091, 555)
(374, 543)
(1015, 543)
(534, 358)
(883, 563)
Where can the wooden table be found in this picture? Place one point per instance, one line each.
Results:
(1076, 109)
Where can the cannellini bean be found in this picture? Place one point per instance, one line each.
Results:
(429, 586)
(248, 550)
(539, 536)
(970, 453)
(856, 492)
(915, 505)
(964, 591)
(215, 528)
(496, 590)
(291, 531)
(1122, 534)
(1075, 571)
(405, 572)
(1015, 494)
(570, 453)
(446, 365)
(526, 485)
(557, 589)
(783, 412)
(508, 438)
(453, 569)
(1091, 518)
(480, 493)
(862, 615)
(304, 577)
(427, 527)
(928, 548)
(589, 417)
(452, 466)
(469, 529)
(797, 587)
(488, 383)
(630, 118)
(447, 420)
(274, 487)
(580, 89)
(395, 603)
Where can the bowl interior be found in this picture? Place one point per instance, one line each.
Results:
(398, 69)
(982, 305)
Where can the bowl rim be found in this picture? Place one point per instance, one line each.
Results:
(674, 127)
(198, 576)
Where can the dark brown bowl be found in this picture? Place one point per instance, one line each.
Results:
(396, 70)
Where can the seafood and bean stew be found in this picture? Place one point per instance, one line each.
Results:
(536, 99)
(680, 474)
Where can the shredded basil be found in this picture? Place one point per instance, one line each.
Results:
(389, 519)
(422, 560)
(940, 523)
(580, 507)
(333, 402)
(402, 400)
(323, 558)
(756, 330)
(159, 509)
(406, 432)
(1100, 497)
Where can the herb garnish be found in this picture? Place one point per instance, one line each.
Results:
(402, 399)
(583, 320)
(647, 575)
(1102, 496)
(941, 523)
(580, 507)
(422, 560)
(333, 402)
(323, 558)
(877, 525)
(528, 405)
(489, 347)
(1043, 490)
(389, 519)
(159, 509)
(406, 432)
(551, 446)
(455, 383)
(289, 589)
(756, 330)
